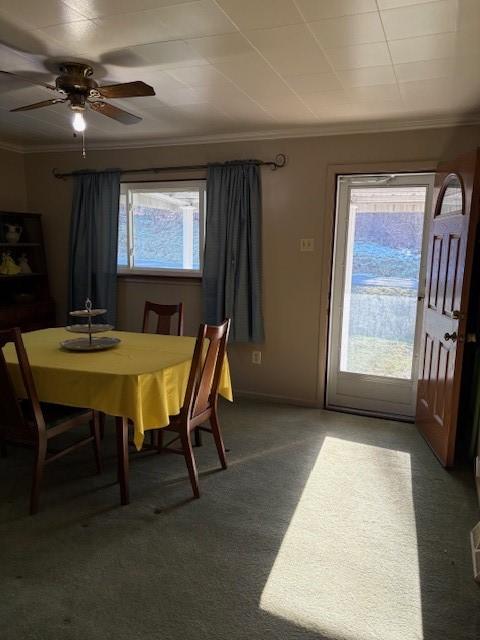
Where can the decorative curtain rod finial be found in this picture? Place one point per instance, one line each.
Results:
(58, 174)
(280, 161)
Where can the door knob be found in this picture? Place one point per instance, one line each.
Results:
(451, 336)
(456, 315)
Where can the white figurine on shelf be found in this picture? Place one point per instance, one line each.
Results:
(23, 264)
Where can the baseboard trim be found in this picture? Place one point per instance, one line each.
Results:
(370, 414)
(298, 402)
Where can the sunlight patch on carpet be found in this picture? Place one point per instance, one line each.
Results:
(348, 565)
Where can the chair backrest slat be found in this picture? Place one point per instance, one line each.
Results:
(206, 369)
(164, 313)
(12, 418)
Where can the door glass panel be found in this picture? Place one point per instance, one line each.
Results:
(382, 263)
(452, 201)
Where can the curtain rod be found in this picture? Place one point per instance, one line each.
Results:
(279, 162)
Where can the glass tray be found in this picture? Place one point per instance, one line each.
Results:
(88, 313)
(86, 328)
(84, 344)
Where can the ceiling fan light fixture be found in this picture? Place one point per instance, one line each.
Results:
(76, 85)
(78, 120)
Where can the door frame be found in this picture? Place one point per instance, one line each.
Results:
(328, 235)
(371, 394)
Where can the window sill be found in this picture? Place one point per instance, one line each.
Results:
(159, 277)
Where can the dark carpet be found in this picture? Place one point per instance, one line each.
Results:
(324, 525)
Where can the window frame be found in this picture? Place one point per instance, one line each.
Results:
(167, 185)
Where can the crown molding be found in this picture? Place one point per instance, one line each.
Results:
(8, 146)
(352, 128)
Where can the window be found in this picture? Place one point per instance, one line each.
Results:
(161, 228)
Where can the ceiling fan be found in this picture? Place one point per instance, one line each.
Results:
(76, 86)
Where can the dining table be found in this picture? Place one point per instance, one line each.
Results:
(141, 381)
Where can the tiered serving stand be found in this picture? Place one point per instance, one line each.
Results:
(89, 343)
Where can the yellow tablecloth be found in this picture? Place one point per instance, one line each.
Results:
(144, 378)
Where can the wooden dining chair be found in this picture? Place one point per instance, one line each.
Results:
(164, 313)
(33, 423)
(201, 398)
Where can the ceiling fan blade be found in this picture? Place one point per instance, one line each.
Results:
(136, 89)
(114, 112)
(33, 82)
(38, 105)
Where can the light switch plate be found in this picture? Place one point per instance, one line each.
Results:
(307, 244)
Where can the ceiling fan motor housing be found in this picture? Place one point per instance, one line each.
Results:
(76, 81)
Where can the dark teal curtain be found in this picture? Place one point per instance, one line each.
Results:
(232, 267)
(93, 241)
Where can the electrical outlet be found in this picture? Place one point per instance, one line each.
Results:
(306, 244)
(257, 357)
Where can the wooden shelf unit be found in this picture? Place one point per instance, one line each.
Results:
(25, 299)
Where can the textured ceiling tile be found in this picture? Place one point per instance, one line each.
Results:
(290, 50)
(306, 84)
(361, 55)
(349, 30)
(393, 4)
(38, 14)
(253, 75)
(222, 47)
(368, 76)
(377, 94)
(264, 14)
(420, 19)
(431, 93)
(425, 69)
(200, 76)
(79, 36)
(169, 54)
(100, 8)
(130, 29)
(320, 9)
(290, 112)
(196, 19)
(440, 45)
(325, 102)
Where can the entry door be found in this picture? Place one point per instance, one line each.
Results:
(377, 293)
(451, 244)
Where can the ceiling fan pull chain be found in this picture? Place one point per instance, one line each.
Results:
(84, 153)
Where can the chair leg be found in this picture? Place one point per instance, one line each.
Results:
(40, 454)
(154, 438)
(190, 460)
(95, 431)
(160, 440)
(217, 435)
(198, 437)
(102, 419)
(121, 425)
